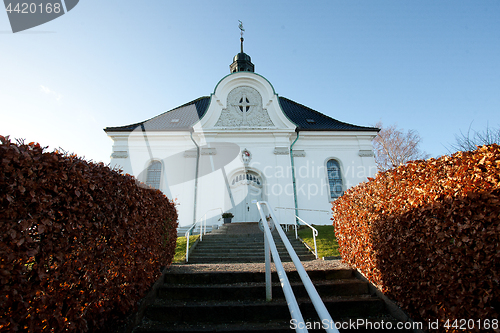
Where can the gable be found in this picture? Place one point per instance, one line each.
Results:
(244, 101)
(244, 109)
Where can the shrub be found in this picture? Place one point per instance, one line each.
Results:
(427, 235)
(80, 243)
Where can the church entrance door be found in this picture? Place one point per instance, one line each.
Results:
(246, 188)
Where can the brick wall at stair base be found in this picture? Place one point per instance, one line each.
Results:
(80, 243)
(427, 234)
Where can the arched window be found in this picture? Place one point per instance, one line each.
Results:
(246, 178)
(154, 174)
(334, 179)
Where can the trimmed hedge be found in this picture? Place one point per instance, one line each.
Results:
(80, 244)
(428, 234)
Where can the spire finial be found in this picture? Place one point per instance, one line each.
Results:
(242, 61)
(241, 31)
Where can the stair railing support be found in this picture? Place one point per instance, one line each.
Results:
(267, 254)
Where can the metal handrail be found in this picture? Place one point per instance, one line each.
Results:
(314, 232)
(270, 247)
(304, 209)
(203, 229)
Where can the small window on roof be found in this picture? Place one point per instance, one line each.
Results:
(310, 121)
(174, 120)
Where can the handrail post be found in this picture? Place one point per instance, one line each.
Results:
(201, 230)
(267, 254)
(205, 220)
(315, 232)
(187, 245)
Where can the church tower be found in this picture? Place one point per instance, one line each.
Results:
(242, 61)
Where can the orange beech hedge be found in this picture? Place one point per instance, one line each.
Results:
(80, 243)
(428, 235)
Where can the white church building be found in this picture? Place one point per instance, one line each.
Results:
(244, 142)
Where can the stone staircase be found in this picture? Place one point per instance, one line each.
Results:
(241, 243)
(224, 296)
(235, 302)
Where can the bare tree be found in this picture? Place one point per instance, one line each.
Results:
(394, 147)
(473, 139)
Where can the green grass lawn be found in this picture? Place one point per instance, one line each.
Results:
(180, 248)
(325, 241)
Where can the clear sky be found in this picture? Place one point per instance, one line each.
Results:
(432, 66)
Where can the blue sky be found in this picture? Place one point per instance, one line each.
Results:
(431, 66)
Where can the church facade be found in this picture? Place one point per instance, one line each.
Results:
(245, 143)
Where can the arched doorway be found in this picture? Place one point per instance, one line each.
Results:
(246, 187)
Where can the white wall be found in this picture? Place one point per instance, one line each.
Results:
(275, 170)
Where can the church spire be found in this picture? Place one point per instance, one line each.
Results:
(242, 61)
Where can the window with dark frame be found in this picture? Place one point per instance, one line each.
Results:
(334, 179)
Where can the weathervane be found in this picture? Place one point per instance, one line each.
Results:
(241, 30)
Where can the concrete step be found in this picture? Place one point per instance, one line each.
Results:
(252, 246)
(241, 257)
(372, 324)
(257, 290)
(211, 278)
(235, 302)
(209, 238)
(237, 259)
(259, 311)
(240, 243)
(243, 248)
(240, 253)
